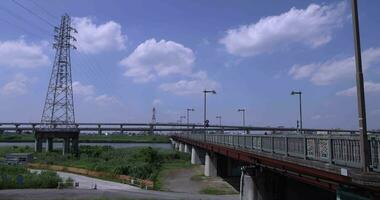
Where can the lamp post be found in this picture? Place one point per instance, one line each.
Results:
(188, 115)
(299, 93)
(220, 119)
(364, 149)
(205, 104)
(181, 117)
(243, 111)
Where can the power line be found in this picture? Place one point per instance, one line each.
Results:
(93, 67)
(33, 13)
(43, 9)
(18, 17)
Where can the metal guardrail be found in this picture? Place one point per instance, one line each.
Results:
(169, 127)
(342, 150)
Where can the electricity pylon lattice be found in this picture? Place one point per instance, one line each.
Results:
(153, 115)
(59, 104)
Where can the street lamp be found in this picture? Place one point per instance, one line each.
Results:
(243, 111)
(364, 148)
(220, 119)
(299, 93)
(205, 105)
(181, 117)
(188, 117)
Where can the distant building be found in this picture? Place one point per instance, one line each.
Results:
(18, 158)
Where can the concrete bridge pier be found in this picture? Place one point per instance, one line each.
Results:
(75, 146)
(66, 146)
(196, 156)
(38, 144)
(181, 147)
(176, 145)
(186, 148)
(211, 164)
(49, 144)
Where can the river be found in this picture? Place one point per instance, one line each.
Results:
(58, 145)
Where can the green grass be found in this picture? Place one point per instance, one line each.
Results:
(93, 138)
(217, 190)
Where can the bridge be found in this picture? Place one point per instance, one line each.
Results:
(327, 161)
(288, 165)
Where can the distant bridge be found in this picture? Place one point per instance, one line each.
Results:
(169, 127)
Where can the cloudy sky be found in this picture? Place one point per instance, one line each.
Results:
(135, 55)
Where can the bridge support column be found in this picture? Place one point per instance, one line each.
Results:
(186, 149)
(66, 146)
(49, 144)
(196, 156)
(181, 147)
(99, 129)
(37, 144)
(211, 162)
(75, 146)
(176, 145)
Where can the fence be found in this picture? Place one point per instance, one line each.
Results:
(343, 150)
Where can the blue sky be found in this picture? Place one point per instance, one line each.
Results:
(133, 55)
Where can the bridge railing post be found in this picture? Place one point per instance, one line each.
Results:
(305, 146)
(330, 147)
(286, 145)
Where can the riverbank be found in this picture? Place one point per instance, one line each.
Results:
(138, 162)
(14, 138)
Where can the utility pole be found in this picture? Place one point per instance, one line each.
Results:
(243, 111)
(299, 93)
(188, 115)
(220, 119)
(364, 148)
(205, 105)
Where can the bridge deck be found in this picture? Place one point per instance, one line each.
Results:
(324, 160)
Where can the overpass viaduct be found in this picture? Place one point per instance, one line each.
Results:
(288, 165)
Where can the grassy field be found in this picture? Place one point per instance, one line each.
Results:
(144, 163)
(93, 138)
(13, 177)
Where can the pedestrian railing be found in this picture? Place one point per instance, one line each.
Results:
(343, 150)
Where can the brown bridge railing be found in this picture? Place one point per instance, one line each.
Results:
(342, 150)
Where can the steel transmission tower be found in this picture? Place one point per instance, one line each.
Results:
(153, 115)
(59, 104)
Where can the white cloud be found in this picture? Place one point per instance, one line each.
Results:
(20, 54)
(369, 87)
(334, 70)
(92, 38)
(87, 92)
(151, 59)
(156, 102)
(17, 86)
(105, 100)
(196, 85)
(83, 90)
(312, 27)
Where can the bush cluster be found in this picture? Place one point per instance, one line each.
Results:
(10, 178)
(139, 162)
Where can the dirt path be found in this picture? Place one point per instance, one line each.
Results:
(191, 180)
